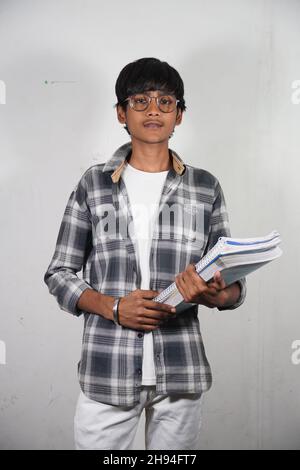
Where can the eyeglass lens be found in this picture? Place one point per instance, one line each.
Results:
(166, 103)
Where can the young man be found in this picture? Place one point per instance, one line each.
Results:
(137, 353)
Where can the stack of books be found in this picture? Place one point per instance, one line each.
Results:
(235, 258)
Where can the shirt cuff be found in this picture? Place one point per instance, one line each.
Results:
(243, 287)
(70, 304)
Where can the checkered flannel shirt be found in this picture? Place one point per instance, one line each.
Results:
(110, 368)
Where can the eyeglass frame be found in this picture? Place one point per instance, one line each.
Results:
(149, 101)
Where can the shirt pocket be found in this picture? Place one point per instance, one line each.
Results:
(194, 235)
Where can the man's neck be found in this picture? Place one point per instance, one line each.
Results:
(150, 157)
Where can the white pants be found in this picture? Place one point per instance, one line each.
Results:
(172, 422)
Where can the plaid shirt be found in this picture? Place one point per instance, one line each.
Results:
(110, 369)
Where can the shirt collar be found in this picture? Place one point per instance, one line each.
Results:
(117, 162)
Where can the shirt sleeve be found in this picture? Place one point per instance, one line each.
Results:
(73, 245)
(219, 227)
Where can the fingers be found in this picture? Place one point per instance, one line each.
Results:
(194, 289)
(140, 312)
(151, 312)
(189, 284)
(146, 294)
(217, 282)
(158, 306)
(149, 322)
(157, 315)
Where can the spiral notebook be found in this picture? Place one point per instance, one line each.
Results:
(235, 258)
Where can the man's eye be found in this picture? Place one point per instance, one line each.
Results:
(140, 99)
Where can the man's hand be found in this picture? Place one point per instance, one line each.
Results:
(211, 294)
(137, 310)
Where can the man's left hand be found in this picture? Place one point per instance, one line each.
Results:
(211, 294)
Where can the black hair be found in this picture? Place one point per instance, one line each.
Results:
(148, 74)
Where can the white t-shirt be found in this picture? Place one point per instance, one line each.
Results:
(144, 191)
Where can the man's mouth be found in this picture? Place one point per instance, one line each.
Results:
(152, 125)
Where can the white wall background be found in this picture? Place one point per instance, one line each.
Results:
(238, 60)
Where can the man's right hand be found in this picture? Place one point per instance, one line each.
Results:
(138, 311)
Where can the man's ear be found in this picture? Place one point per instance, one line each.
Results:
(178, 117)
(121, 115)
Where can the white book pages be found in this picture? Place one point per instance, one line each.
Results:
(236, 258)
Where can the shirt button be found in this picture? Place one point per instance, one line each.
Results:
(139, 371)
(140, 335)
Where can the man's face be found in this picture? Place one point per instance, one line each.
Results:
(137, 121)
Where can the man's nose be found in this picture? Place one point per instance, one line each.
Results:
(153, 108)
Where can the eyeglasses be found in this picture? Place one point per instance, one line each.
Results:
(140, 102)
